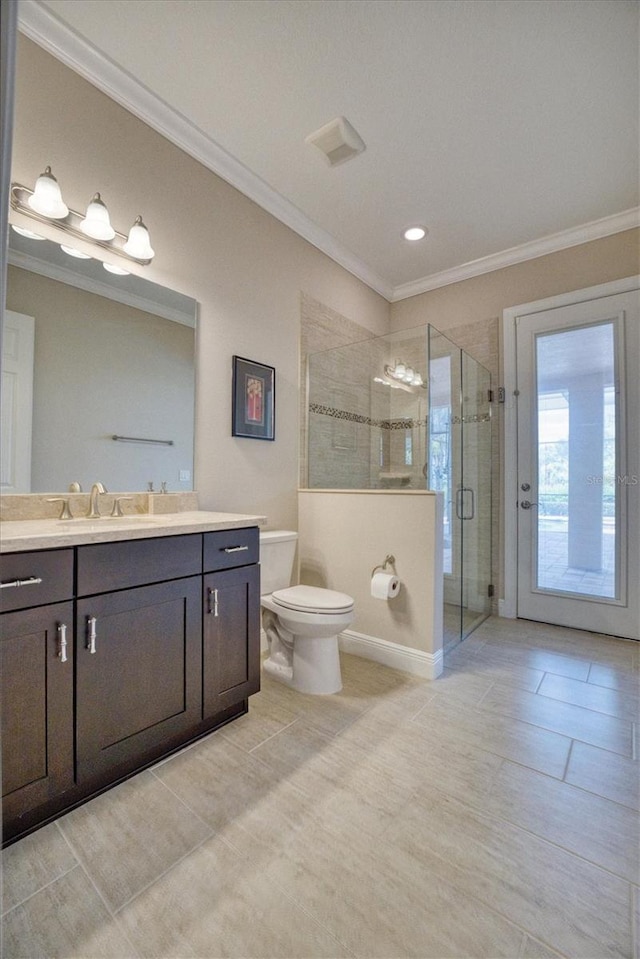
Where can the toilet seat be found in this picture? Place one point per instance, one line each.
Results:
(312, 599)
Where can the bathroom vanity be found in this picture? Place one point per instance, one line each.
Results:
(122, 641)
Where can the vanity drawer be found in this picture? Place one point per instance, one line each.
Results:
(54, 570)
(103, 567)
(227, 548)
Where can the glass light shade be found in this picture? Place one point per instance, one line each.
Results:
(71, 251)
(400, 370)
(46, 198)
(417, 380)
(115, 269)
(28, 233)
(96, 223)
(408, 376)
(138, 244)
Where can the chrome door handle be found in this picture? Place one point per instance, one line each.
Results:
(213, 601)
(235, 549)
(525, 504)
(62, 642)
(91, 638)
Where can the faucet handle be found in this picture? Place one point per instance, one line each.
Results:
(65, 512)
(117, 508)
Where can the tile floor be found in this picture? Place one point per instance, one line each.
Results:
(492, 813)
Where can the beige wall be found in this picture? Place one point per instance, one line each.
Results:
(245, 269)
(345, 534)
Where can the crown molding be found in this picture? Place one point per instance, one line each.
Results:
(44, 28)
(40, 25)
(606, 226)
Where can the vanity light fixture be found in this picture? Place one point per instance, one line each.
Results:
(402, 376)
(30, 235)
(96, 223)
(116, 269)
(45, 204)
(71, 251)
(46, 198)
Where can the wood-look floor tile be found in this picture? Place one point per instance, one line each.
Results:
(598, 830)
(605, 773)
(32, 863)
(495, 668)
(217, 780)
(539, 660)
(381, 902)
(222, 906)
(577, 722)
(264, 719)
(602, 699)
(504, 736)
(533, 949)
(614, 677)
(127, 837)
(65, 920)
(583, 910)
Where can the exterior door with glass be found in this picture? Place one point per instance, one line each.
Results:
(578, 417)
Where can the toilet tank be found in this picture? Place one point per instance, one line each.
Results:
(277, 552)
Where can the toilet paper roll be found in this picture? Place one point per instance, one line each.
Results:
(384, 585)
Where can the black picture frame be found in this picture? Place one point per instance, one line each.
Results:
(253, 400)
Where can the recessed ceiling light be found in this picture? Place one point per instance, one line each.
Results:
(415, 233)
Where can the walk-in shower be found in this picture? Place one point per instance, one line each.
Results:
(406, 411)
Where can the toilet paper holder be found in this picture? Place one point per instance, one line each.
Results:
(389, 560)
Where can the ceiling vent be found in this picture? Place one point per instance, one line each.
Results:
(337, 140)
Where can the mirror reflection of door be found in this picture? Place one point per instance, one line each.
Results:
(578, 484)
(17, 402)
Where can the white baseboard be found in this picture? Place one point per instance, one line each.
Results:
(414, 661)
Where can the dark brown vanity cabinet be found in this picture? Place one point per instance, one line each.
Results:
(231, 619)
(36, 666)
(138, 655)
(144, 655)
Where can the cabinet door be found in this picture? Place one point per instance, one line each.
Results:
(231, 638)
(138, 674)
(36, 665)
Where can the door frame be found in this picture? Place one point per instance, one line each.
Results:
(507, 604)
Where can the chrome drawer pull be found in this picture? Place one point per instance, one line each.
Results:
(91, 640)
(235, 549)
(62, 642)
(32, 581)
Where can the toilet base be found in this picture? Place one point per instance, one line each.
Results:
(316, 666)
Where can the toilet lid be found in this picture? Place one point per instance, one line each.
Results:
(311, 599)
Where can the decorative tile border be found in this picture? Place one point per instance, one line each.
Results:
(402, 424)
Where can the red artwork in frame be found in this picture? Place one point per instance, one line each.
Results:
(253, 399)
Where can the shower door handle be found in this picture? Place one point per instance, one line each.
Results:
(461, 512)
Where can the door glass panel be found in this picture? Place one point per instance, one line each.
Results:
(576, 444)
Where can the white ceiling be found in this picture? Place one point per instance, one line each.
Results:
(495, 123)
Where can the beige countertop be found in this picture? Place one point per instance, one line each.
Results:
(19, 535)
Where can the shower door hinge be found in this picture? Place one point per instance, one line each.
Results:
(490, 590)
(490, 395)
(502, 394)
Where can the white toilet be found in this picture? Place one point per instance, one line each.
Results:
(301, 622)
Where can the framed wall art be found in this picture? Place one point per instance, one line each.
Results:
(253, 407)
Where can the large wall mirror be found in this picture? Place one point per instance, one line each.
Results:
(87, 357)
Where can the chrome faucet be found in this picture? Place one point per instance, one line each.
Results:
(94, 511)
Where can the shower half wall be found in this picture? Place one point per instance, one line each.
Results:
(412, 411)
